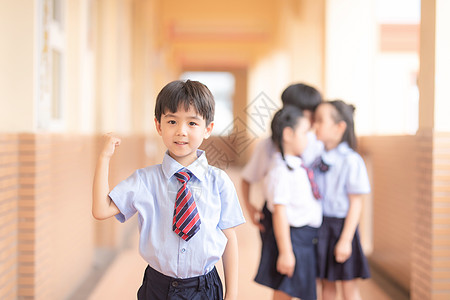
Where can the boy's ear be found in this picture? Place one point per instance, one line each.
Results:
(158, 126)
(208, 130)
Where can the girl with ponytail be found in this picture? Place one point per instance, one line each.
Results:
(343, 181)
(288, 256)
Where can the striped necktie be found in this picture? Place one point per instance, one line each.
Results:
(186, 219)
(314, 187)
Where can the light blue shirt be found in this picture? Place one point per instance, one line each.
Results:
(347, 174)
(151, 192)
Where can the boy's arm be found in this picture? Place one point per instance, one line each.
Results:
(102, 205)
(230, 264)
(282, 231)
(343, 248)
(254, 171)
(255, 214)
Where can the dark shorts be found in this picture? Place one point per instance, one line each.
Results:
(355, 267)
(157, 286)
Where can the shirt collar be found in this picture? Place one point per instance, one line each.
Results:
(291, 160)
(170, 166)
(330, 157)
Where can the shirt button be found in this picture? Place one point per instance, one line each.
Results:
(174, 283)
(315, 241)
(183, 250)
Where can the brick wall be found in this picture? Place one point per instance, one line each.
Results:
(441, 217)
(8, 216)
(411, 211)
(48, 236)
(393, 170)
(56, 230)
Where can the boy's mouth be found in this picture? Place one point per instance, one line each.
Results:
(181, 143)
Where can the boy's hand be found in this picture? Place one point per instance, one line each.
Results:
(343, 251)
(286, 263)
(255, 216)
(109, 145)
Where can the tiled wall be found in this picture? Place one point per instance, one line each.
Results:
(440, 209)
(421, 277)
(8, 216)
(48, 236)
(56, 235)
(411, 211)
(393, 166)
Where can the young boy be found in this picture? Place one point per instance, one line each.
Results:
(307, 98)
(187, 209)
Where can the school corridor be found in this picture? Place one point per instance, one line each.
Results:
(121, 278)
(72, 70)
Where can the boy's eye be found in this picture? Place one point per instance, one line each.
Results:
(192, 124)
(171, 122)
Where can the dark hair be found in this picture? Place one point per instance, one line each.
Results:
(185, 93)
(301, 95)
(344, 112)
(288, 116)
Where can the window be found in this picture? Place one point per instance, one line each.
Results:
(397, 67)
(50, 97)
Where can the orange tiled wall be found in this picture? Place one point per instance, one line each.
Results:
(423, 219)
(441, 217)
(8, 216)
(411, 211)
(56, 228)
(393, 166)
(52, 222)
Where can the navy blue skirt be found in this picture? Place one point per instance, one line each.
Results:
(303, 283)
(355, 267)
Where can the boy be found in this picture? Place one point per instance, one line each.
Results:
(307, 99)
(187, 209)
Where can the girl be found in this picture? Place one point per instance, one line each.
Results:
(342, 179)
(288, 260)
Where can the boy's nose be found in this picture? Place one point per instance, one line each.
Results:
(181, 130)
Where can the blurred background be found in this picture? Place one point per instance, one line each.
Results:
(71, 70)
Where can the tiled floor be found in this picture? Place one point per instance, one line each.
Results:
(123, 277)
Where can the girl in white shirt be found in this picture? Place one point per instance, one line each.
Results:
(288, 263)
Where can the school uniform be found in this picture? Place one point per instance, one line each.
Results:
(338, 173)
(175, 263)
(292, 188)
(258, 166)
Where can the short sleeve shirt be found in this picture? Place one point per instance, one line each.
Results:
(151, 192)
(346, 175)
(292, 189)
(258, 165)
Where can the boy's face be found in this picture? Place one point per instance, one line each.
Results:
(309, 114)
(182, 133)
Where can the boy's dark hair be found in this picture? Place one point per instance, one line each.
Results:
(288, 116)
(185, 93)
(301, 95)
(344, 112)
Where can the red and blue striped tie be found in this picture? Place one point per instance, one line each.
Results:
(314, 187)
(186, 220)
